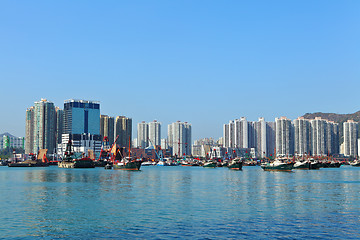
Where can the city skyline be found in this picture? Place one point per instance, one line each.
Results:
(187, 61)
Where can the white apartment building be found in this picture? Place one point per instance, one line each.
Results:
(302, 136)
(179, 138)
(284, 137)
(350, 138)
(155, 133)
(143, 135)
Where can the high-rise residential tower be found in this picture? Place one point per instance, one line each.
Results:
(260, 137)
(302, 136)
(143, 135)
(270, 139)
(107, 127)
(155, 133)
(41, 127)
(333, 139)
(59, 124)
(179, 138)
(319, 137)
(123, 129)
(350, 138)
(29, 130)
(284, 137)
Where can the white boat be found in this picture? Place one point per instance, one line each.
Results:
(147, 163)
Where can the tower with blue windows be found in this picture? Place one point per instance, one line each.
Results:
(81, 116)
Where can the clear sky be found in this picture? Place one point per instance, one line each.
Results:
(204, 62)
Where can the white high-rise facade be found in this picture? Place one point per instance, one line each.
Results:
(350, 138)
(179, 138)
(155, 133)
(324, 137)
(242, 134)
(302, 136)
(284, 137)
(143, 135)
(260, 138)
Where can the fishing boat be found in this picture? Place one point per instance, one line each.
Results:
(210, 164)
(302, 165)
(355, 163)
(235, 164)
(124, 163)
(331, 164)
(70, 162)
(314, 165)
(147, 163)
(127, 164)
(277, 165)
(104, 156)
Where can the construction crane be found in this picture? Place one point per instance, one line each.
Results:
(160, 154)
(105, 148)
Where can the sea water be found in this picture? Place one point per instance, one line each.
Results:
(179, 202)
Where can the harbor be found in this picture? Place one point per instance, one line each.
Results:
(168, 202)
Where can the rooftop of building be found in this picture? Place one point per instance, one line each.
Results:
(81, 101)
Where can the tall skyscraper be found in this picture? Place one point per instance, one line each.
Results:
(284, 137)
(333, 141)
(59, 124)
(29, 130)
(179, 138)
(226, 137)
(40, 127)
(107, 127)
(270, 138)
(350, 138)
(143, 135)
(155, 132)
(241, 133)
(123, 129)
(232, 135)
(302, 136)
(319, 137)
(260, 137)
(81, 126)
(81, 116)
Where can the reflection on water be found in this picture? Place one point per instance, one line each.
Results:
(179, 202)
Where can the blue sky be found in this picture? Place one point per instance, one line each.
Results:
(204, 62)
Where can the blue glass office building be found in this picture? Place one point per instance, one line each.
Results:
(81, 116)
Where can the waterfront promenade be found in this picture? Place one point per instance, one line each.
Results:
(179, 202)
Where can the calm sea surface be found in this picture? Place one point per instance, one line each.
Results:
(179, 202)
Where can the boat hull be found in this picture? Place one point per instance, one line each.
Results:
(77, 164)
(28, 164)
(235, 166)
(303, 166)
(284, 167)
(357, 164)
(210, 165)
(129, 166)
